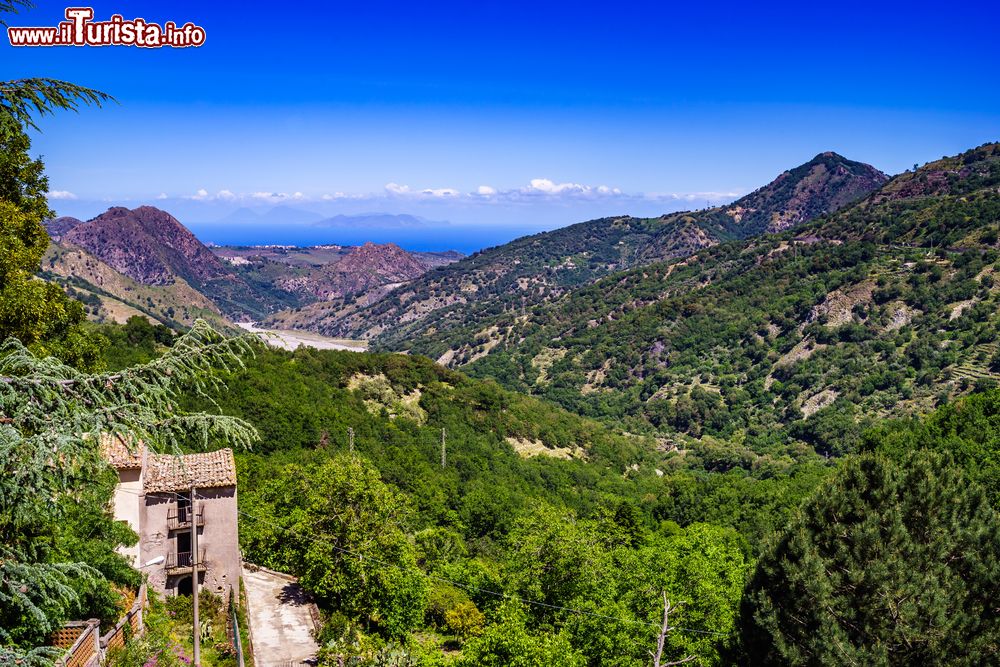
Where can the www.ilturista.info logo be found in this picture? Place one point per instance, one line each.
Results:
(79, 29)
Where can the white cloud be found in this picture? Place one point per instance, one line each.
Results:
(200, 195)
(440, 192)
(548, 187)
(203, 194)
(396, 189)
(552, 188)
(61, 194)
(537, 189)
(692, 196)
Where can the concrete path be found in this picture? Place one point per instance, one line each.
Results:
(280, 620)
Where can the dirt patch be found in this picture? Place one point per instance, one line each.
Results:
(802, 350)
(595, 378)
(900, 316)
(838, 306)
(486, 340)
(958, 308)
(818, 401)
(446, 358)
(543, 362)
(528, 448)
(378, 393)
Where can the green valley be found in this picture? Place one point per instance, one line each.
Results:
(764, 433)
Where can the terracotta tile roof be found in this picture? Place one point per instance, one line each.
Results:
(121, 455)
(166, 472)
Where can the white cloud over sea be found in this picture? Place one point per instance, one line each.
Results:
(536, 189)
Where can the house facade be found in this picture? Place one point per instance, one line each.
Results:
(154, 496)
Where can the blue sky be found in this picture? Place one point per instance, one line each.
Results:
(506, 117)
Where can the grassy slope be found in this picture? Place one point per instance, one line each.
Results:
(178, 304)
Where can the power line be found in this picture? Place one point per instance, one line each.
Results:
(485, 591)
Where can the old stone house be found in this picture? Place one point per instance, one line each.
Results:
(153, 496)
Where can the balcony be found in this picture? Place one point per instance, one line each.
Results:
(181, 517)
(181, 562)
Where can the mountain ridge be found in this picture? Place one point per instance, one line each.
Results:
(122, 254)
(541, 267)
(148, 245)
(886, 308)
(825, 184)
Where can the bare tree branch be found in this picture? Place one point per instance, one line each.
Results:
(661, 639)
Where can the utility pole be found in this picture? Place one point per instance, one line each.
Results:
(196, 662)
(444, 458)
(350, 439)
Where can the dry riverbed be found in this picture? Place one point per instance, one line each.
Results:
(290, 340)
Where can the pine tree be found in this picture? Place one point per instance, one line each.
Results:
(52, 418)
(53, 415)
(889, 564)
(37, 313)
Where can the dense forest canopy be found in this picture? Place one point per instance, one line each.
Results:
(512, 556)
(726, 434)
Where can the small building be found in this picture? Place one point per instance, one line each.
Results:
(153, 496)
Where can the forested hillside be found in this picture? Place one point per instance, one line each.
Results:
(532, 502)
(506, 557)
(888, 307)
(536, 536)
(759, 434)
(461, 300)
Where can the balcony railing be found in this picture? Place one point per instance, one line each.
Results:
(181, 562)
(180, 517)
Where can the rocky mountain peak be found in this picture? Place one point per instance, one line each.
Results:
(147, 244)
(824, 184)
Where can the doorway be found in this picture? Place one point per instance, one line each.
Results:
(184, 549)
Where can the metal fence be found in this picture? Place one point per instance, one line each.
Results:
(184, 560)
(237, 639)
(182, 517)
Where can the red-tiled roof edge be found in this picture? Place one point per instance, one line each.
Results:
(166, 472)
(120, 455)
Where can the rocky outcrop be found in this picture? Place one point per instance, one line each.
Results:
(146, 244)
